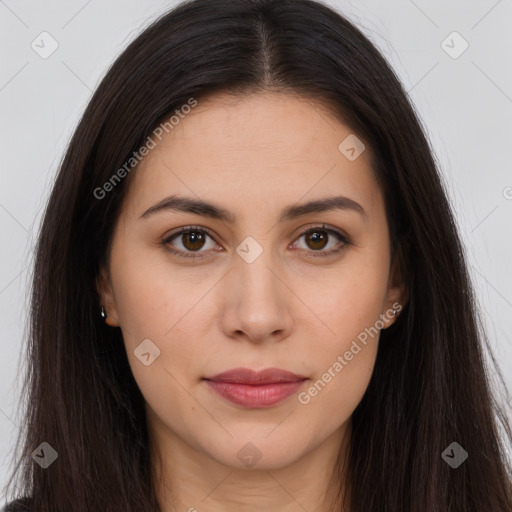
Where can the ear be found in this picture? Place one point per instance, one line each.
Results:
(106, 297)
(398, 290)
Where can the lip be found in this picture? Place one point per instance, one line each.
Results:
(255, 389)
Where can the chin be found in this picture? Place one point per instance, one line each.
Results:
(258, 452)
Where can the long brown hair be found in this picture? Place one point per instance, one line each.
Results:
(430, 385)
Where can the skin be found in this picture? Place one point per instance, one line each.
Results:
(253, 155)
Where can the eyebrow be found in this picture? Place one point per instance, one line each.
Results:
(210, 210)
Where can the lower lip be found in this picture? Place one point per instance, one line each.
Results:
(255, 397)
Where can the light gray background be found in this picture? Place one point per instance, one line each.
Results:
(465, 103)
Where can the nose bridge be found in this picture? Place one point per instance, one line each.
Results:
(256, 267)
(258, 306)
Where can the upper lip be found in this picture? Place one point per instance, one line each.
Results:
(249, 376)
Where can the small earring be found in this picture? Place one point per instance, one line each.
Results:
(103, 313)
(395, 311)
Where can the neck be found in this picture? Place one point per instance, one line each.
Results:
(189, 480)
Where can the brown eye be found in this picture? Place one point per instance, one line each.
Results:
(193, 240)
(316, 239)
(189, 242)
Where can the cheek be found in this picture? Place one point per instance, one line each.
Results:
(354, 297)
(161, 311)
(343, 362)
(146, 291)
(344, 355)
(338, 388)
(156, 302)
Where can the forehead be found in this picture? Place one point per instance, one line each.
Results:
(257, 149)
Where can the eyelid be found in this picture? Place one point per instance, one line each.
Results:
(185, 254)
(344, 240)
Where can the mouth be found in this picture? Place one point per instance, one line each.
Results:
(255, 389)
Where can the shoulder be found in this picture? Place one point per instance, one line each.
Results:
(19, 505)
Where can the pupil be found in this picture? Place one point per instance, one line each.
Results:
(196, 238)
(317, 237)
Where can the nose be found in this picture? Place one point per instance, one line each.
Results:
(258, 301)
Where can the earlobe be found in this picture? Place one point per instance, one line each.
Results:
(110, 322)
(398, 292)
(108, 309)
(392, 313)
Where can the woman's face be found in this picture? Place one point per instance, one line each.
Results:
(261, 292)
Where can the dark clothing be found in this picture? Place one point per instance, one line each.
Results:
(19, 505)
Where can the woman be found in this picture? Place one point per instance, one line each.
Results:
(249, 291)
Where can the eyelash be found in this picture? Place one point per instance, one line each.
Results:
(181, 254)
